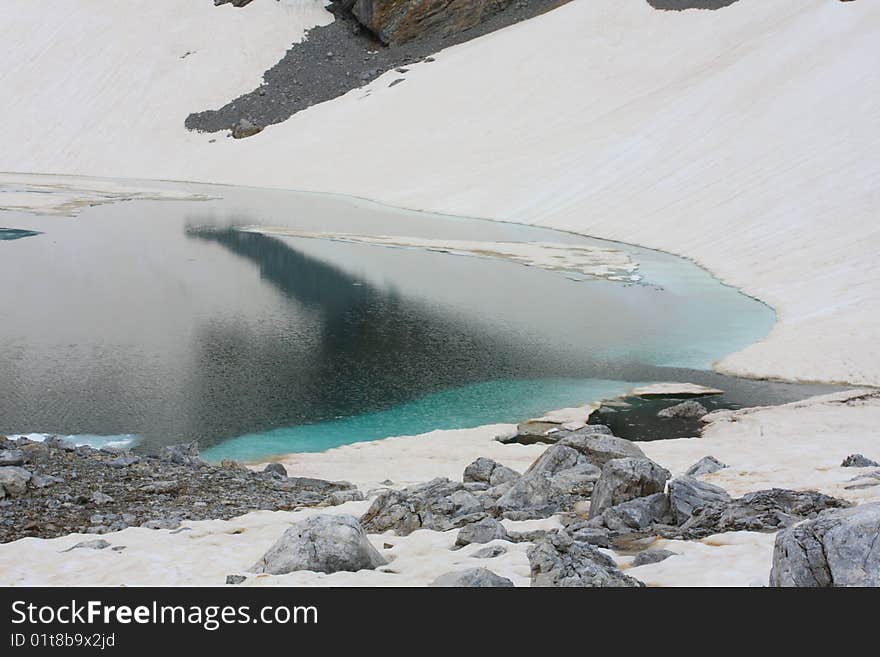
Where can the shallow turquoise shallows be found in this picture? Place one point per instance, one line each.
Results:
(165, 320)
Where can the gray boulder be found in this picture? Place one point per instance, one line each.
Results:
(275, 468)
(12, 457)
(687, 494)
(482, 531)
(13, 481)
(636, 515)
(322, 543)
(490, 472)
(761, 511)
(439, 504)
(690, 409)
(858, 461)
(626, 479)
(554, 482)
(706, 465)
(183, 454)
(560, 561)
(646, 557)
(245, 128)
(837, 548)
(471, 578)
(490, 552)
(600, 448)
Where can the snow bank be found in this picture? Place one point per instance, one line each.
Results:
(744, 138)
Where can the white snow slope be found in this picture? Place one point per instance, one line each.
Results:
(746, 138)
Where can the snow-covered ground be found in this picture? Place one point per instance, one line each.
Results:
(744, 138)
(798, 445)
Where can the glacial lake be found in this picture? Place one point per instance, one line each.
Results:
(159, 322)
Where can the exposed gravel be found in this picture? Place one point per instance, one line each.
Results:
(79, 489)
(339, 57)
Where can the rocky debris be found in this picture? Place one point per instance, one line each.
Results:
(322, 543)
(183, 454)
(244, 129)
(397, 22)
(64, 489)
(94, 544)
(554, 482)
(100, 498)
(646, 557)
(837, 548)
(706, 465)
(13, 481)
(858, 461)
(599, 448)
(584, 532)
(439, 504)
(560, 561)
(490, 552)
(12, 457)
(342, 496)
(471, 578)
(688, 409)
(626, 479)
(537, 431)
(482, 531)
(275, 468)
(761, 511)
(306, 76)
(638, 514)
(234, 580)
(687, 494)
(490, 472)
(234, 3)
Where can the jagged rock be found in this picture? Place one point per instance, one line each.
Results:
(687, 494)
(557, 478)
(321, 543)
(706, 465)
(95, 544)
(761, 511)
(688, 409)
(183, 454)
(490, 472)
(490, 552)
(275, 468)
(637, 514)
(124, 461)
(600, 448)
(244, 129)
(101, 498)
(626, 479)
(234, 3)
(534, 432)
(858, 461)
(12, 457)
(589, 532)
(439, 504)
(561, 561)
(343, 496)
(482, 531)
(837, 548)
(471, 578)
(14, 480)
(44, 481)
(235, 579)
(645, 557)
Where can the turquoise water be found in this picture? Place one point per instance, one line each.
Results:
(161, 322)
(460, 408)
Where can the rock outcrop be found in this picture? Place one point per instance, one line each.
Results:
(482, 531)
(322, 543)
(858, 461)
(706, 465)
(398, 21)
(837, 548)
(626, 479)
(560, 561)
(471, 578)
(687, 494)
(689, 409)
